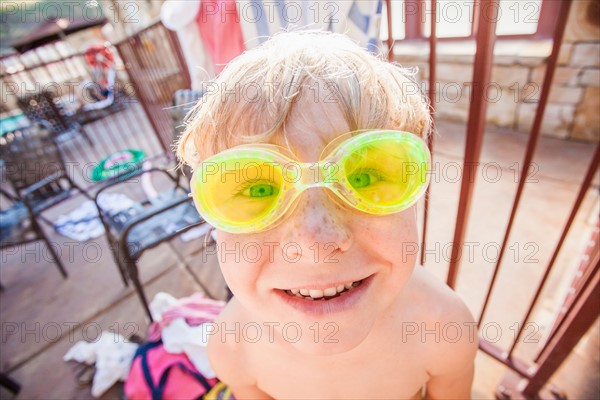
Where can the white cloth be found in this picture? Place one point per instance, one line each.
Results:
(112, 356)
(83, 223)
(180, 16)
(260, 19)
(160, 303)
(178, 337)
(111, 76)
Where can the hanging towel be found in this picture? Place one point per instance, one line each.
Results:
(219, 25)
(362, 21)
(359, 19)
(180, 16)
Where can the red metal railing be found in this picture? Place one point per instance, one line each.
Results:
(416, 13)
(582, 307)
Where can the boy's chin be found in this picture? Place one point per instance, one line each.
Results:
(328, 338)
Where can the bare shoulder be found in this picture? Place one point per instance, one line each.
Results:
(227, 356)
(453, 340)
(441, 303)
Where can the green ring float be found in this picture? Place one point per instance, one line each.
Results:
(117, 163)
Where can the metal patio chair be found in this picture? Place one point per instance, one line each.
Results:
(183, 101)
(150, 221)
(35, 168)
(147, 221)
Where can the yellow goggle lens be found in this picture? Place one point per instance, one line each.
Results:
(385, 173)
(241, 190)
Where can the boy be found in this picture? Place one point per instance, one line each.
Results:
(327, 301)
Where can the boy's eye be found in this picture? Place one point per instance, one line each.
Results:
(362, 179)
(259, 190)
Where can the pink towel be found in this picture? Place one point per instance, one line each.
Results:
(219, 25)
(196, 310)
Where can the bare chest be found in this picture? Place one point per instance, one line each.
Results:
(382, 374)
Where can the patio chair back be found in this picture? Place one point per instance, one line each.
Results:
(183, 101)
(44, 106)
(31, 155)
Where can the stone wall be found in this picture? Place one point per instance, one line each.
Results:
(573, 109)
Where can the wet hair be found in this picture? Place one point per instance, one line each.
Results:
(258, 92)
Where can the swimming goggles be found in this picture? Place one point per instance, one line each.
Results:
(252, 188)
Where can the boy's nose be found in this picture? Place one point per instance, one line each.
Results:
(318, 221)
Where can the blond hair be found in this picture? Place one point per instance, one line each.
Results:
(258, 91)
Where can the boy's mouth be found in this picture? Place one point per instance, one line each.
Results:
(324, 294)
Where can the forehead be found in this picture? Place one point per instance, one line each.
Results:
(312, 124)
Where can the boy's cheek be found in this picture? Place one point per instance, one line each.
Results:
(393, 236)
(241, 261)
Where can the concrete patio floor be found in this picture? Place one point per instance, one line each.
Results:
(43, 315)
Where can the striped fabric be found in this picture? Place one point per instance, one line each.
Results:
(196, 310)
(359, 19)
(207, 54)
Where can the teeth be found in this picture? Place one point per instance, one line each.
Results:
(314, 294)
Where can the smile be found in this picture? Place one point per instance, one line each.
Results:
(333, 299)
(325, 294)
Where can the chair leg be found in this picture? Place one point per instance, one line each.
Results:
(133, 275)
(120, 264)
(43, 236)
(57, 261)
(122, 269)
(191, 272)
(10, 384)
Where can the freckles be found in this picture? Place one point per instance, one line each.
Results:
(325, 221)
